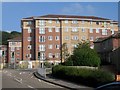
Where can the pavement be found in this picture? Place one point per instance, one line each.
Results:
(62, 83)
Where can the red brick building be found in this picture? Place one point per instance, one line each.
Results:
(43, 36)
(14, 50)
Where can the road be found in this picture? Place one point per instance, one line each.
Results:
(23, 79)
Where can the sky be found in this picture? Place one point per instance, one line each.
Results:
(13, 12)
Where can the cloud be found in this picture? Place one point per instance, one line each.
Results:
(77, 8)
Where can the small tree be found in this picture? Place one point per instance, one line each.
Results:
(83, 55)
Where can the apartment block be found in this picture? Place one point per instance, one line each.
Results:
(43, 36)
(14, 50)
(3, 54)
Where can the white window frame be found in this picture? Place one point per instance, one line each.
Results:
(57, 21)
(41, 30)
(29, 38)
(57, 46)
(66, 21)
(29, 47)
(42, 57)
(97, 30)
(104, 32)
(82, 21)
(83, 38)
(66, 29)
(41, 22)
(57, 55)
(50, 55)
(41, 38)
(83, 29)
(49, 29)
(57, 38)
(50, 38)
(75, 38)
(74, 21)
(74, 29)
(57, 29)
(91, 38)
(49, 21)
(42, 47)
(112, 31)
(29, 30)
(50, 46)
(91, 30)
(12, 49)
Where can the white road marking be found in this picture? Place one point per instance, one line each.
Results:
(30, 86)
(20, 81)
(39, 80)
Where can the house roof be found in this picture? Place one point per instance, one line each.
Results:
(67, 16)
(19, 38)
(116, 35)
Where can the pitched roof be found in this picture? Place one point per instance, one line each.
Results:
(116, 35)
(19, 38)
(67, 16)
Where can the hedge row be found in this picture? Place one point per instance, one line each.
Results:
(83, 76)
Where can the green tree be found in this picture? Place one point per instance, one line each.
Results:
(83, 55)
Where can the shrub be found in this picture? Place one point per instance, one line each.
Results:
(82, 75)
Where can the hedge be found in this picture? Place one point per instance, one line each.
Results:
(82, 75)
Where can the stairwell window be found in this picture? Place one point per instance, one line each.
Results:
(104, 32)
(41, 30)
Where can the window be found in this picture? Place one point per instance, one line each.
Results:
(42, 56)
(50, 55)
(41, 30)
(50, 46)
(18, 53)
(57, 55)
(66, 29)
(12, 48)
(74, 21)
(97, 23)
(18, 48)
(66, 37)
(66, 21)
(12, 54)
(57, 38)
(41, 22)
(29, 30)
(83, 29)
(49, 37)
(29, 22)
(18, 59)
(57, 21)
(97, 30)
(49, 29)
(29, 47)
(74, 29)
(28, 55)
(57, 46)
(83, 22)
(91, 38)
(75, 37)
(49, 21)
(29, 38)
(112, 31)
(41, 38)
(91, 22)
(104, 32)
(57, 29)
(41, 47)
(83, 38)
(74, 45)
(91, 30)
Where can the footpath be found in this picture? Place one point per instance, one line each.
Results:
(62, 83)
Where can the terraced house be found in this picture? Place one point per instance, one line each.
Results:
(43, 36)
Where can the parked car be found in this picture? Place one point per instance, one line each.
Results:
(110, 86)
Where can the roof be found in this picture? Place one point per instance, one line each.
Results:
(16, 39)
(116, 35)
(67, 16)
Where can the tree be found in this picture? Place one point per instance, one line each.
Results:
(65, 53)
(83, 55)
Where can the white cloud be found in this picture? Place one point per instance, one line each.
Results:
(77, 8)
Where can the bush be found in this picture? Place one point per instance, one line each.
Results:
(81, 75)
